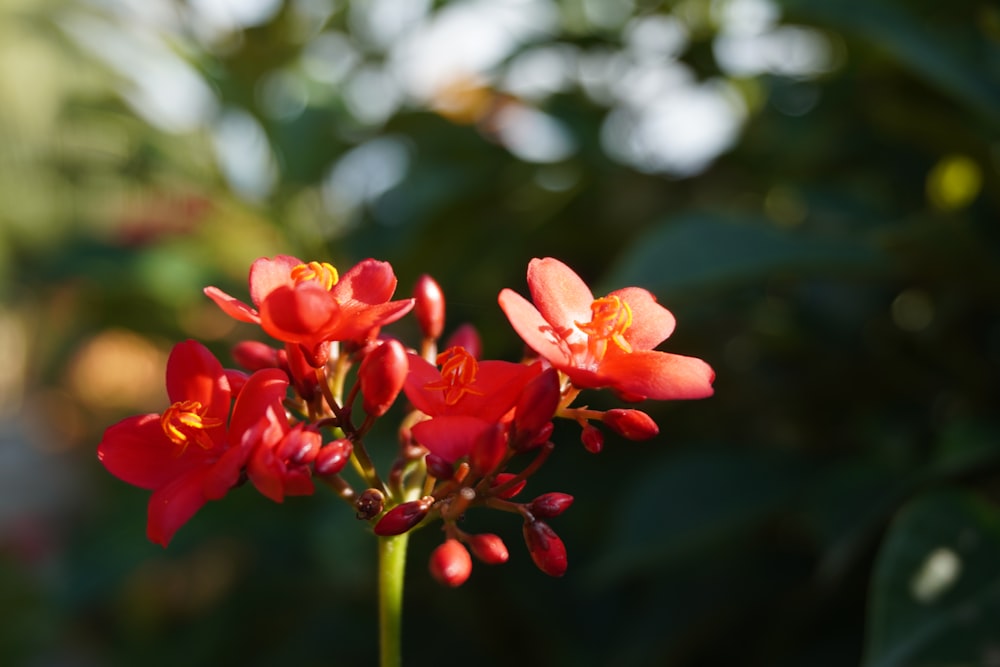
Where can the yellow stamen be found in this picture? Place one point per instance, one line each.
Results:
(185, 422)
(458, 373)
(610, 318)
(323, 273)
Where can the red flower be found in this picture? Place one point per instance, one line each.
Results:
(310, 304)
(606, 342)
(186, 455)
(463, 398)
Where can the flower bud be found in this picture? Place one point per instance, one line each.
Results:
(546, 549)
(631, 424)
(592, 438)
(488, 548)
(404, 516)
(303, 374)
(502, 479)
(439, 468)
(300, 445)
(488, 450)
(369, 504)
(549, 505)
(429, 307)
(450, 563)
(254, 355)
(535, 407)
(332, 458)
(382, 374)
(467, 337)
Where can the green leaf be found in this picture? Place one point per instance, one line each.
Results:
(935, 596)
(708, 251)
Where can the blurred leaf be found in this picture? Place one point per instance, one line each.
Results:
(935, 595)
(703, 250)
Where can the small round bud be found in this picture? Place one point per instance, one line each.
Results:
(631, 424)
(450, 563)
(404, 516)
(254, 355)
(546, 549)
(549, 505)
(369, 504)
(332, 458)
(511, 491)
(467, 337)
(429, 307)
(488, 548)
(382, 374)
(592, 438)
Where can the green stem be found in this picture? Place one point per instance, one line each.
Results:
(391, 573)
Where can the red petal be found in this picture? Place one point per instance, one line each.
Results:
(172, 506)
(232, 306)
(500, 383)
(266, 275)
(299, 314)
(357, 320)
(193, 373)
(264, 471)
(136, 451)
(559, 293)
(533, 329)
(368, 282)
(651, 323)
(658, 375)
(451, 438)
(264, 391)
(422, 373)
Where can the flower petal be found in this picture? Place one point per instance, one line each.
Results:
(559, 293)
(369, 282)
(173, 505)
(136, 451)
(533, 329)
(651, 323)
(423, 373)
(658, 375)
(193, 373)
(266, 275)
(300, 314)
(232, 306)
(357, 321)
(261, 396)
(451, 438)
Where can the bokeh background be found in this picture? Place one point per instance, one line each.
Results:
(813, 188)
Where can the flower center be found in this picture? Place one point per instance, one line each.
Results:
(458, 373)
(185, 422)
(321, 272)
(610, 317)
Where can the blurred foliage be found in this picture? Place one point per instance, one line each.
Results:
(835, 503)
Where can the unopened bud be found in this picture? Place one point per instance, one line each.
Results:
(302, 373)
(488, 548)
(450, 563)
(300, 445)
(404, 516)
(488, 450)
(511, 491)
(592, 438)
(546, 549)
(254, 355)
(631, 424)
(369, 504)
(382, 374)
(332, 458)
(549, 505)
(439, 468)
(466, 336)
(429, 307)
(535, 407)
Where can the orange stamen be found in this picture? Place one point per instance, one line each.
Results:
(322, 272)
(185, 422)
(610, 318)
(458, 373)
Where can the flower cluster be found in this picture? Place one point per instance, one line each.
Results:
(474, 429)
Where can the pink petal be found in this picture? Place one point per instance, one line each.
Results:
(559, 293)
(193, 373)
(533, 329)
(451, 438)
(651, 323)
(171, 506)
(266, 275)
(232, 306)
(136, 451)
(658, 375)
(368, 282)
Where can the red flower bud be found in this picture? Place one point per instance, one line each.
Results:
(592, 438)
(488, 548)
(429, 307)
(254, 355)
(300, 445)
(488, 450)
(466, 336)
(450, 563)
(404, 516)
(332, 458)
(549, 505)
(535, 407)
(545, 547)
(439, 468)
(303, 374)
(382, 374)
(631, 424)
(502, 479)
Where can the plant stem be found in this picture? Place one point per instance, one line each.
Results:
(391, 574)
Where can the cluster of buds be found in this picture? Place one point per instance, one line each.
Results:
(473, 431)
